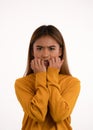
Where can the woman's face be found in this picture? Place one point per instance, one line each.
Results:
(46, 48)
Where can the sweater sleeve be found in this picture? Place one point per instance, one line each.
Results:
(33, 97)
(61, 104)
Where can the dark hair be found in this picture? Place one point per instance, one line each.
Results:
(52, 31)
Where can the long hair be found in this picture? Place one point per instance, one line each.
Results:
(52, 31)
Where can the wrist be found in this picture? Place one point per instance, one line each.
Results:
(52, 75)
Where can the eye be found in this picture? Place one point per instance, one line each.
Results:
(51, 48)
(39, 48)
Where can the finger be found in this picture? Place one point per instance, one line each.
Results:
(57, 59)
(38, 62)
(53, 60)
(62, 61)
(59, 62)
(35, 62)
(49, 62)
(32, 64)
(42, 63)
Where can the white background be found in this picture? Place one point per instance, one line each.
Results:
(18, 20)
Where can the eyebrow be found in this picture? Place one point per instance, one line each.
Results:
(47, 46)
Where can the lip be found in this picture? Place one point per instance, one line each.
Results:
(46, 62)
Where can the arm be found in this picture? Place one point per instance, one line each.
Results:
(33, 97)
(62, 103)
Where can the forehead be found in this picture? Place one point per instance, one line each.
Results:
(46, 41)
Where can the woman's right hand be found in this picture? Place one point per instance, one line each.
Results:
(37, 65)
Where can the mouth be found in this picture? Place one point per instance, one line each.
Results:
(46, 62)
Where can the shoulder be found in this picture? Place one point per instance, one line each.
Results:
(68, 78)
(25, 81)
(27, 78)
(69, 82)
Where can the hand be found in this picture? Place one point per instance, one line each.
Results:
(37, 65)
(56, 62)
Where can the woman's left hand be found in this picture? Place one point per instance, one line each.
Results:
(56, 62)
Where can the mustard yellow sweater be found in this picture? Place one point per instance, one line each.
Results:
(47, 99)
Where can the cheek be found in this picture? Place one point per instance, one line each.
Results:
(55, 54)
(36, 54)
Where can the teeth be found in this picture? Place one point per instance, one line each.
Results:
(46, 62)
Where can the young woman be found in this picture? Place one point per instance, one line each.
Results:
(47, 92)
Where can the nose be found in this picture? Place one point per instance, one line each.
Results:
(45, 54)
